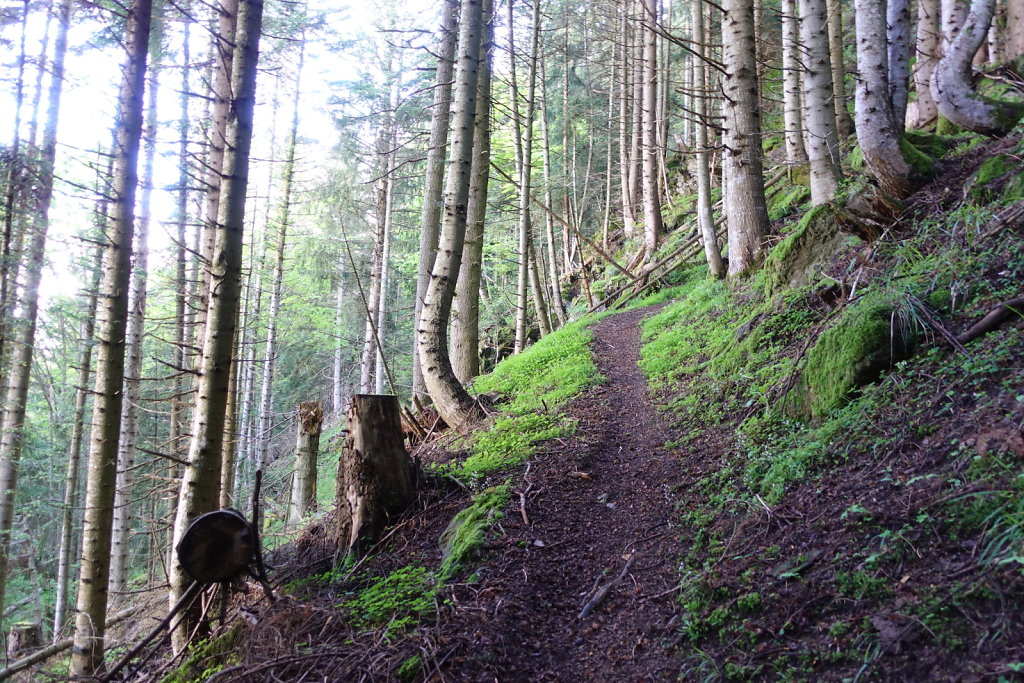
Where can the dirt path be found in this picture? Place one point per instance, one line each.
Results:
(605, 499)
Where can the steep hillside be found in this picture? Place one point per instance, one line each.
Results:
(821, 479)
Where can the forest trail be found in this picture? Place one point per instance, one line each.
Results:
(599, 506)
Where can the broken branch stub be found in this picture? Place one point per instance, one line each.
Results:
(376, 477)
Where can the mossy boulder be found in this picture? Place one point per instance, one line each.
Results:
(793, 260)
(867, 340)
(783, 204)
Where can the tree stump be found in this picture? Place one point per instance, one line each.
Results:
(376, 477)
(24, 637)
(307, 447)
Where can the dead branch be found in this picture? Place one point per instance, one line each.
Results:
(603, 592)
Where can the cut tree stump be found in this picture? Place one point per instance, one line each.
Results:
(23, 639)
(376, 477)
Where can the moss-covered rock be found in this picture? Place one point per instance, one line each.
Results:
(865, 341)
(795, 258)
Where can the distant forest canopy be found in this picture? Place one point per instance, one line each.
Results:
(213, 213)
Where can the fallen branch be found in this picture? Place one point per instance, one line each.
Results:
(603, 592)
(993, 319)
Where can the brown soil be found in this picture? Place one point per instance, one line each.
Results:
(605, 500)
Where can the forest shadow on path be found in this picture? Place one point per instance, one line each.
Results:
(600, 506)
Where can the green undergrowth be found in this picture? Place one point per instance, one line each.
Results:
(395, 602)
(206, 658)
(531, 389)
(801, 389)
(468, 530)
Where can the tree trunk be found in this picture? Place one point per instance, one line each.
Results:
(466, 305)
(222, 57)
(819, 107)
(200, 483)
(454, 404)
(951, 83)
(628, 219)
(16, 393)
(90, 624)
(126, 448)
(430, 218)
(653, 227)
(844, 123)
(368, 360)
(307, 447)
(796, 153)
(922, 112)
(898, 28)
(705, 219)
(525, 230)
(376, 477)
(338, 378)
(745, 204)
(1013, 46)
(386, 237)
(283, 224)
(877, 133)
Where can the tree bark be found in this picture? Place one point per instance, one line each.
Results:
(628, 219)
(126, 448)
(453, 402)
(745, 204)
(338, 378)
(898, 30)
(922, 112)
(705, 219)
(653, 227)
(277, 279)
(466, 305)
(430, 217)
(844, 122)
(877, 133)
(796, 153)
(951, 83)
(201, 481)
(376, 477)
(525, 229)
(307, 447)
(819, 107)
(90, 624)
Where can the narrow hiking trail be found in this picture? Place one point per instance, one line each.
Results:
(599, 507)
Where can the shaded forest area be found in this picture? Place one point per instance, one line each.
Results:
(823, 202)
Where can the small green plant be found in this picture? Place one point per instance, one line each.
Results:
(399, 600)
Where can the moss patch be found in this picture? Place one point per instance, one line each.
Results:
(206, 658)
(786, 203)
(400, 600)
(998, 179)
(467, 531)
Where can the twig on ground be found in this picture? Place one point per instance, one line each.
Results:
(603, 592)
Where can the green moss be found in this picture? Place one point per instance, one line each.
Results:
(783, 204)
(206, 658)
(467, 531)
(401, 599)
(813, 241)
(998, 179)
(865, 341)
(922, 167)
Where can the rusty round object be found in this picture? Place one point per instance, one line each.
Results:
(217, 546)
